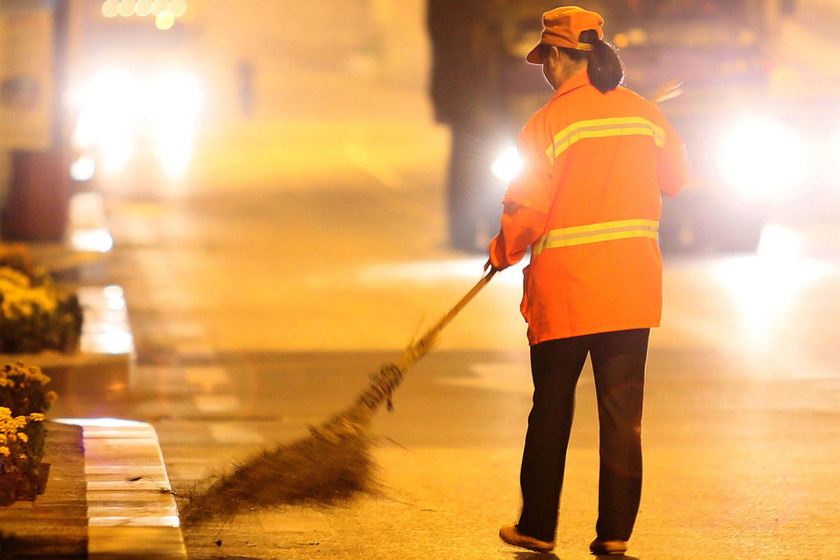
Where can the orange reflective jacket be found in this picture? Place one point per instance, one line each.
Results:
(587, 202)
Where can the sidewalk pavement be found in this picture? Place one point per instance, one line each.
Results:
(131, 512)
(108, 496)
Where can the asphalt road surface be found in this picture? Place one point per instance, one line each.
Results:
(263, 293)
(258, 313)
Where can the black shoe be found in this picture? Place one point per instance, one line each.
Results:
(608, 548)
(511, 535)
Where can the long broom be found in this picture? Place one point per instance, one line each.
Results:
(329, 465)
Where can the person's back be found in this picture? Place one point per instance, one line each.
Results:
(605, 147)
(597, 159)
(606, 152)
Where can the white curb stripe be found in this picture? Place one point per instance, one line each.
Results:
(131, 513)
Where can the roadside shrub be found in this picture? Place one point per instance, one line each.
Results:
(17, 257)
(36, 317)
(24, 401)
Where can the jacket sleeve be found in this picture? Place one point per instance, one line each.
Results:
(672, 166)
(527, 200)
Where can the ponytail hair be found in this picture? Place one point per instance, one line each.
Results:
(605, 70)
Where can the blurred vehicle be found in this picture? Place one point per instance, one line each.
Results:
(132, 120)
(813, 122)
(745, 158)
(136, 99)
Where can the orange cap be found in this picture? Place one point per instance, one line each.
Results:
(562, 28)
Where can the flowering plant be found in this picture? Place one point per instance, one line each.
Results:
(15, 452)
(16, 256)
(35, 317)
(23, 402)
(23, 389)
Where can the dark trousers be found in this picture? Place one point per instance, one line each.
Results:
(618, 361)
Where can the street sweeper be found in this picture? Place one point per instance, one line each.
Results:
(587, 201)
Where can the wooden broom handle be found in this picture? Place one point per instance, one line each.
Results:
(425, 343)
(388, 378)
(460, 305)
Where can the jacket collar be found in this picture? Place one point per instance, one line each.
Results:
(579, 80)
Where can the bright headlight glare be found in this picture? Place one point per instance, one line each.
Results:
(118, 106)
(83, 168)
(84, 134)
(761, 156)
(177, 101)
(507, 165)
(174, 147)
(116, 152)
(176, 93)
(114, 91)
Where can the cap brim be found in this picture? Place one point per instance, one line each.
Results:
(534, 56)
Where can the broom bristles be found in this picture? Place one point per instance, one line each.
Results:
(312, 469)
(332, 464)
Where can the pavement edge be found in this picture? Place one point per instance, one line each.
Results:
(130, 507)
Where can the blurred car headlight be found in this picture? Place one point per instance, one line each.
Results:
(507, 165)
(117, 107)
(177, 104)
(761, 157)
(108, 112)
(83, 168)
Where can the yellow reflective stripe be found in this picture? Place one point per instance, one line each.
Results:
(602, 128)
(594, 233)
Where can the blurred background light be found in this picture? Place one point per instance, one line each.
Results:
(507, 165)
(84, 135)
(143, 8)
(164, 20)
(113, 292)
(176, 161)
(91, 240)
(762, 156)
(764, 290)
(82, 168)
(115, 343)
(116, 151)
(107, 117)
(176, 92)
(178, 7)
(159, 6)
(621, 40)
(637, 36)
(110, 8)
(121, 108)
(126, 8)
(178, 100)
